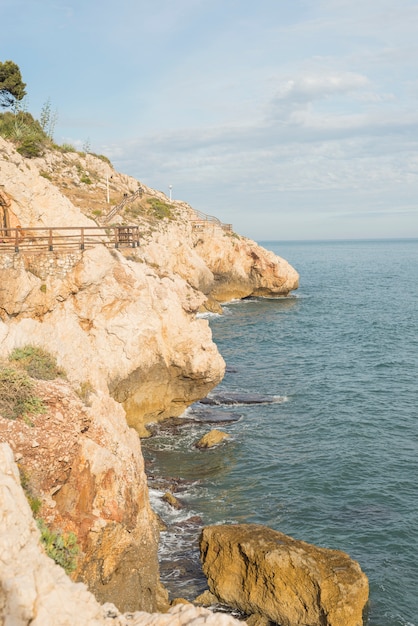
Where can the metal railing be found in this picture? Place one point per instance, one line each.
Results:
(68, 237)
(204, 220)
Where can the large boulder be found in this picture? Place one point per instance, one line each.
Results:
(261, 571)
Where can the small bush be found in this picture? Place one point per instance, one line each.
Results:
(160, 209)
(61, 547)
(30, 147)
(37, 362)
(66, 147)
(17, 396)
(25, 132)
(85, 179)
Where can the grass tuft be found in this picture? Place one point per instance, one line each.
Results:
(37, 363)
(17, 397)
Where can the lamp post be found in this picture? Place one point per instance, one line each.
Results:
(170, 188)
(107, 187)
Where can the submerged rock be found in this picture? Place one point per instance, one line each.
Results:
(220, 398)
(261, 571)
(172, 500)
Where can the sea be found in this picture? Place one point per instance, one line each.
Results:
(320, 399)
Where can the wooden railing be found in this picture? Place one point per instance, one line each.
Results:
(68, 237)
(118, 207)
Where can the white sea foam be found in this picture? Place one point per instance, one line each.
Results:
(207, 315)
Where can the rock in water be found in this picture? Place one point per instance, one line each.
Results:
(261, 571)
(211, 439)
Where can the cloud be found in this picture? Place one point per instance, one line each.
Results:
(307, 88)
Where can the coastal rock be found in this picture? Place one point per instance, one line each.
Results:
(241, 268)
(87, 473)
(261, 571)
(117, 325)
(123, 324)
(211, 439)
(35, 591)
(172, 500)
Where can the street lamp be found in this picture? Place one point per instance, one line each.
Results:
(107, 187)
(170, 188)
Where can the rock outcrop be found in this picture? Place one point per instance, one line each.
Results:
(35, 591)
(241, 268)
(261, 571)
(116, 324)
(84, 467)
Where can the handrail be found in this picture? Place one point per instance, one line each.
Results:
(79, 237)
(207, 218)
(118, 207)
(203, 219)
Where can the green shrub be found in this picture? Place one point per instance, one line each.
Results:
(17, 396)
(61, 547)
(85, 179)
(37, 362)
(160, 209)
(66, 147)
(30, 147)
(25, 132)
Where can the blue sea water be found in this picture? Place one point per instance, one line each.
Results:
(333, 459)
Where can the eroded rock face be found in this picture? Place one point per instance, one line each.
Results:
(84, 465)
(117, 325)
(262, 571)
(35, 591)
(241, 268)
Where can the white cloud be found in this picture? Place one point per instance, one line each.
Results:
(311, 87)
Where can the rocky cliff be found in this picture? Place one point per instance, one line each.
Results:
(122, 324)
(34, 591)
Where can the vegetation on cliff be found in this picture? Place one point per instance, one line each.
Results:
(17, 394)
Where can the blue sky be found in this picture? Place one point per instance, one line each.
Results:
(290, 119)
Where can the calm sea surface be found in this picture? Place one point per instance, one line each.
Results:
(332, 458)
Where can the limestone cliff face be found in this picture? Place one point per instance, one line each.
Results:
(124, 323)
(85, 468)
(34, 591)
(119, 326)
(241, 268)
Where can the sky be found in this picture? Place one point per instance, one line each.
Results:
(289, 119)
